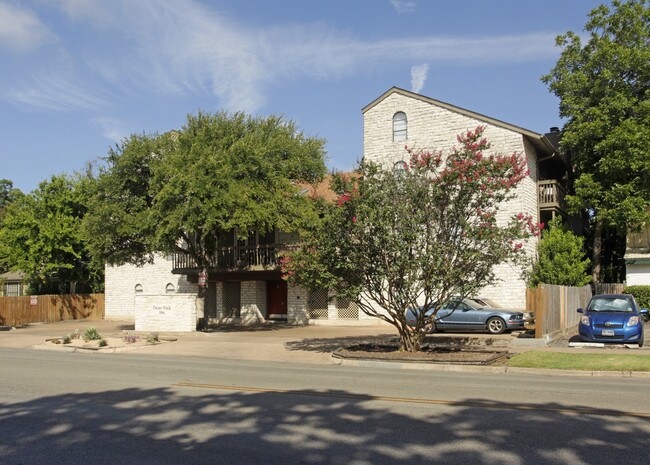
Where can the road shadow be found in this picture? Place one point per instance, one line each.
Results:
(331, 344)
(194, 425)
(252, 328)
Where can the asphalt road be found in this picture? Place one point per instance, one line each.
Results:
(132, 409)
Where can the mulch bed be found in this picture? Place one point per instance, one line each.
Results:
(428, 354)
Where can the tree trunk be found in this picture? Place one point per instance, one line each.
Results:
(410, 341)
(596, 259)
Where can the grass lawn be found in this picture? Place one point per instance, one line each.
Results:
(588, 362)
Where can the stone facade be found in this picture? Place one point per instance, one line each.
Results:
(434, 126)
(166, 313)
(158, 300)
(124, 283)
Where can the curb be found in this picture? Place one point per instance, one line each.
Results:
(366, 363)
(96, 350)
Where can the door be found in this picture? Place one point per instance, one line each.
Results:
(463, 316)
(276, 299)
(210, 307)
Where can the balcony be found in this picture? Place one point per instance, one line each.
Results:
(236, 258)
(638, 242)
(550, 196)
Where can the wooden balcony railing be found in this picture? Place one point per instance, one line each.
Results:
(550, 195)
(237, 258)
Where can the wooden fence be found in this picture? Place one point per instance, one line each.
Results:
(610, 288)
(49, 308)
(555, 307)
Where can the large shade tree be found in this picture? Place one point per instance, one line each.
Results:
(604, 88)
(177, 192)
(8, 194)
(416, 237)
(41, 235)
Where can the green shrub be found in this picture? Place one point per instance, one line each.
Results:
(641, 294)
(131, 338)
(561, 258)
(103, 343)
(66, 339)
(153, 337)
(92, 334)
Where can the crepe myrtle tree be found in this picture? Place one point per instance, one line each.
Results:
(413, 238)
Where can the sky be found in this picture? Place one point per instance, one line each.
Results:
(77, 76)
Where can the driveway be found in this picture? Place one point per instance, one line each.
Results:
(279, 343)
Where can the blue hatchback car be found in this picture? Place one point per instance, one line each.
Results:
(612, 318)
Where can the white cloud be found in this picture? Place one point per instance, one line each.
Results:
(404, 6)
(52, 92)
(419, 77)
(20, 29)
(185, 47)
(84, 9)
(112, 128)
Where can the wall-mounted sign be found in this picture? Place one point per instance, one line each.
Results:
(203, 278)
(33, 300)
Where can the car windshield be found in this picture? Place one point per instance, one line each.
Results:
(484, 302)
(465, 304)
(610, 304)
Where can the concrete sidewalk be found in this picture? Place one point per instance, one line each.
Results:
(278, 343)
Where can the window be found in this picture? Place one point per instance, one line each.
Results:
(317, 304)
(231, 299)
(170, 289)
(399, 126)
(12, 289)
(399, 167)
(138, 289)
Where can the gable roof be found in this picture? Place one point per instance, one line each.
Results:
(323, 188)
(12, 276)
(539, 141)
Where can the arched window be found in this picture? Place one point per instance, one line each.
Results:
(138, 289)
(399, 167)
(399, 126)
(170, 289)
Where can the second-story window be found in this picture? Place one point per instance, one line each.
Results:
(399, 126)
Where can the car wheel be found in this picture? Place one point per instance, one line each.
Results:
(641, 341)
(429, 328)
(495, 325)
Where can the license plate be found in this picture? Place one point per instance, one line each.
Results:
(608, 332)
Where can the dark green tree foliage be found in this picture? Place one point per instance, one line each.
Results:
(561, 258)
(177, 191)
(398, 240)
(8, 194)
(604, 91)
(226, 172)
(41, 234)
(118, 227)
